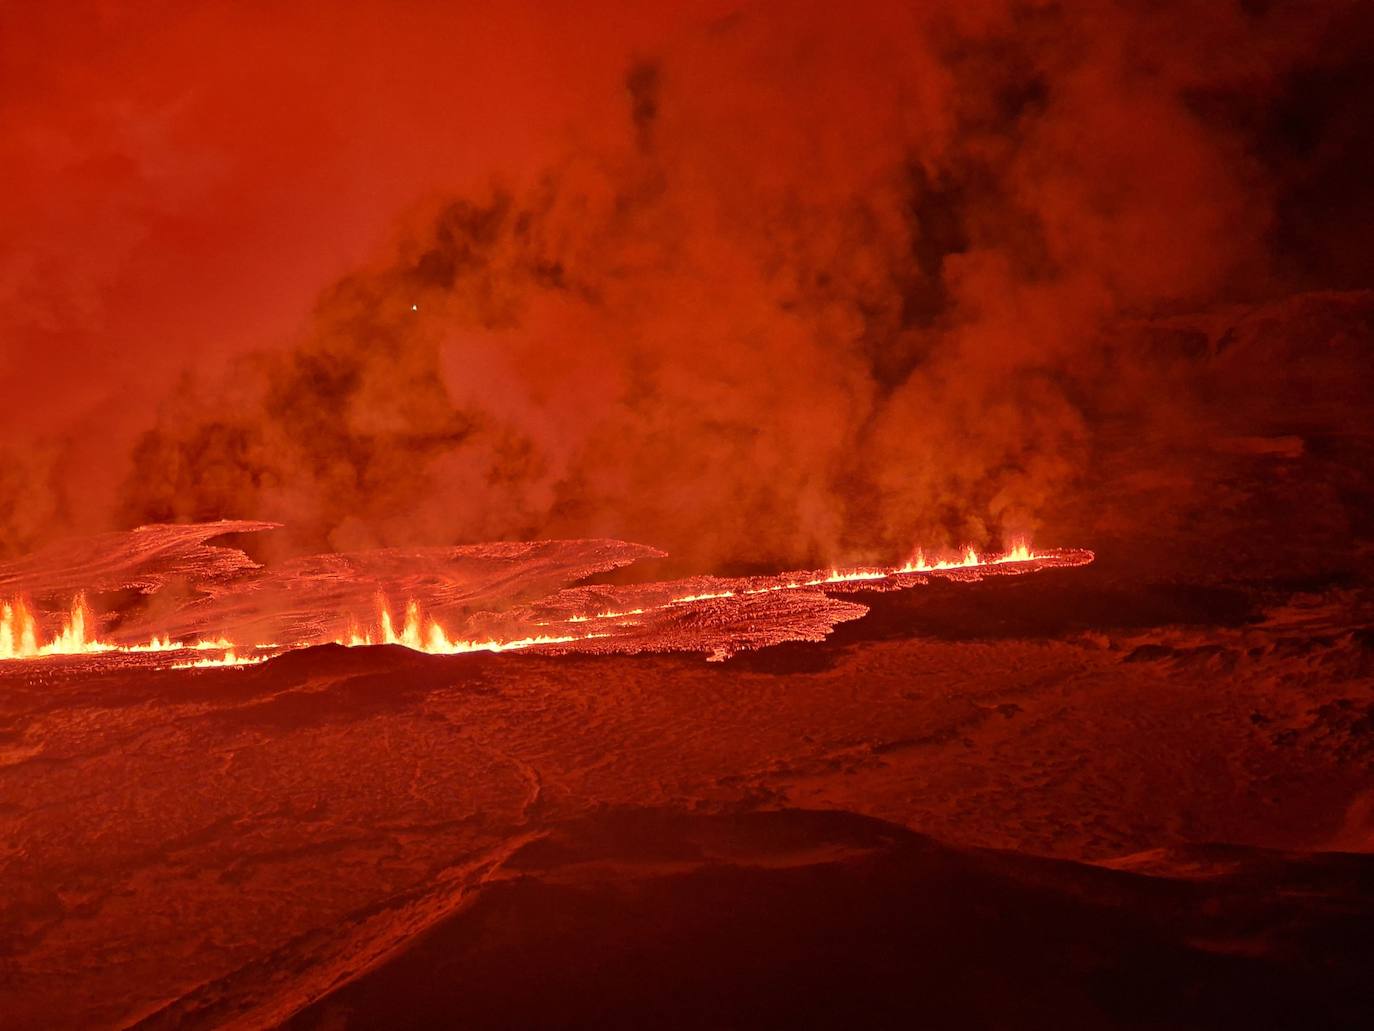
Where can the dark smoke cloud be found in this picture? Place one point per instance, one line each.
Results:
(793, 286)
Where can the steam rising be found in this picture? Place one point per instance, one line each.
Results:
(820, 289)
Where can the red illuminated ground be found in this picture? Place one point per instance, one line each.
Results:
(375, 835)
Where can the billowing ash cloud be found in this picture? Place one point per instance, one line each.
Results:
(826, 286)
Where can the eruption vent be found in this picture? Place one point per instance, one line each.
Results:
(479, 598)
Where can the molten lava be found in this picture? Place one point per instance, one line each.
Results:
(229, 658)
(433, 639)
(20, 637)
(482, 598)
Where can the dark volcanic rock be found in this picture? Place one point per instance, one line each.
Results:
(806, 919)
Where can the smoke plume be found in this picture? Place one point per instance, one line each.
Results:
(786, 286)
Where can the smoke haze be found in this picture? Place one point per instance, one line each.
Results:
(751, 283)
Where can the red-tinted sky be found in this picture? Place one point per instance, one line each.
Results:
(760, 280)
(183, 178)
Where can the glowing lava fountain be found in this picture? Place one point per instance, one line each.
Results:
(20, 637)
(433, 639)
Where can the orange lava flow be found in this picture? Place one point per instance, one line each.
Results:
(22, 637)
(419, 634)
(1020, 552)
(428, 636)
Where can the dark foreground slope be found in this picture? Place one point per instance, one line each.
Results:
(223, 847)
(653, 918)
